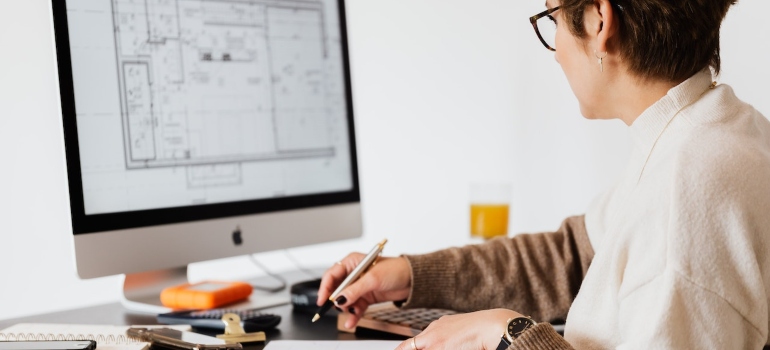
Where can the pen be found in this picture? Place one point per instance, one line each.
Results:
(368, 261)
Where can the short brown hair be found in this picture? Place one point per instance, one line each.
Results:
(661, 39)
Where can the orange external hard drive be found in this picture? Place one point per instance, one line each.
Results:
(204, 295)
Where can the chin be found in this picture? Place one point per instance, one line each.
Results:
(596, 111)
(588, 113)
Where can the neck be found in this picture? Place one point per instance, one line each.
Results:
(629, 96)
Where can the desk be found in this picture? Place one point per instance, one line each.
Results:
(293, 326)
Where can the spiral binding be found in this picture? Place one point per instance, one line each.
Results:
(99, 338)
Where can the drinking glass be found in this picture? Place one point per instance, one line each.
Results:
(489, 204)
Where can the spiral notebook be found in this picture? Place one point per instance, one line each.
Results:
(106, 337)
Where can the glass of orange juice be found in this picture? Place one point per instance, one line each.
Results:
(489, 209)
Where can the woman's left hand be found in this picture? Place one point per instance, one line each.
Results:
(472, 331)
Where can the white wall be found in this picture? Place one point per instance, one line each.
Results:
(446, 92)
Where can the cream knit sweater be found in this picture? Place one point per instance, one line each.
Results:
(682, 241)
(675, 256)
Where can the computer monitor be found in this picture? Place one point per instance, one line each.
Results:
(203, 129)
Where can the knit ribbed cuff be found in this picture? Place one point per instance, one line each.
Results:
(433, 280)
(540, 337)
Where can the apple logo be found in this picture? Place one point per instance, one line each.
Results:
(237, 239)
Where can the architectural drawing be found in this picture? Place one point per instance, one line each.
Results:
(221, 82)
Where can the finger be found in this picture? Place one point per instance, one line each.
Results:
(335, 275)
(356, 311)
(329, 282)
(405, 345)
(359, 308)
(350, 295)
(412, 344)
(352, 321)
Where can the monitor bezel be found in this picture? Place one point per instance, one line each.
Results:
(84, 224)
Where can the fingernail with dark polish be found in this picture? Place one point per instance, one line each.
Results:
(341, 300)
(352, 310)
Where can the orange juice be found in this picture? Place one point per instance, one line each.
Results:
(489, 220)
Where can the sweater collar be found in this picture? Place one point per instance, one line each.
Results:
(653, 121)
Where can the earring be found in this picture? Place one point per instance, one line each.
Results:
(601, 64)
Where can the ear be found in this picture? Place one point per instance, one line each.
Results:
(600, 24)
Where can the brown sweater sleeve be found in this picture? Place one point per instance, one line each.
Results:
(535, 274)
(541, 336)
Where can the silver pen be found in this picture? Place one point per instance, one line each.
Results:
(365, 264)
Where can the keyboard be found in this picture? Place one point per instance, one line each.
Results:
(387, 318)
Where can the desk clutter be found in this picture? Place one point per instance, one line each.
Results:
(251, 320)
(234, 333)
(204, 295)
(180, 340)
(137, 337)
(106, 337)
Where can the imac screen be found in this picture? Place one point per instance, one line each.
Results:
(204, 106)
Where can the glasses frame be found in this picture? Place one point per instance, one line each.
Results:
(538, 16)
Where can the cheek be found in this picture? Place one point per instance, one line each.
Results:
(573, 59)
(574, 64)
(565, 55)
(562, 47)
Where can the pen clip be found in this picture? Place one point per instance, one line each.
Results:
(381, 246)
(376, 260)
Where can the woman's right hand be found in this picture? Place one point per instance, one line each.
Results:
(390, 279)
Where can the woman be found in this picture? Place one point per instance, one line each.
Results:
(679, 248)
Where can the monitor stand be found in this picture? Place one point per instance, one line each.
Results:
(141, 291)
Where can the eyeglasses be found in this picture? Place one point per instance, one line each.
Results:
(546, 29)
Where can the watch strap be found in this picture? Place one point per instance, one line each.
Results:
(504, 343)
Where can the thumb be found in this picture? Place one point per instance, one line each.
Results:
(366, 284)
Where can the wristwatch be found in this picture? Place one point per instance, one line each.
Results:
(514, 327)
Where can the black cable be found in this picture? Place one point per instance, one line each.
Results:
(277, 277)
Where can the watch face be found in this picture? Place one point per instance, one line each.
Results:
(519, 325)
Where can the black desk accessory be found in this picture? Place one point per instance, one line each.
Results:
(304, 295)
(252, 320)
